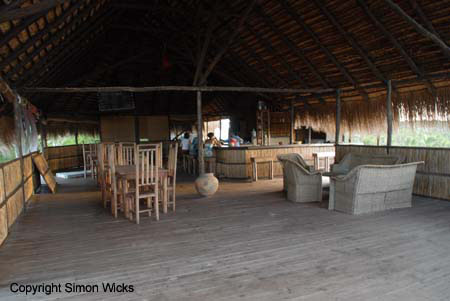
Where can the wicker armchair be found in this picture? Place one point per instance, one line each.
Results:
(293, 157)
(372, 188)
(302, 185)
(352, 160)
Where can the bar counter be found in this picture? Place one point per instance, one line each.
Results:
(235, 162)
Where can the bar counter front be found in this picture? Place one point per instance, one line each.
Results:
(235, 162)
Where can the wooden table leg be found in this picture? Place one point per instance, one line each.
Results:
(114, 196)
(125, 203)
(157, 205)
(165, 194)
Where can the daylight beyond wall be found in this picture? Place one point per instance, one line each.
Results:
(122, 128)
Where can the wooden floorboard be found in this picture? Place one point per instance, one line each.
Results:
(244, 243)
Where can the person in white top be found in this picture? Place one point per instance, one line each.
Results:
(185, 143)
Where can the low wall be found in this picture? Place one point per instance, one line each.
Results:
(61, 158)
(432, 178)
(13, 195)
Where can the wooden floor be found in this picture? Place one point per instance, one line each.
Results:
(245, 243)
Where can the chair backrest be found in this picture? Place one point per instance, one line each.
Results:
(111, 151)
(352, 160)
(294, 171)
(293, 157)
(379, 178)
(172, 161)
(147, 164)
(127, 153)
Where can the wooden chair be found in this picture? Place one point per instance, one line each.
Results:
(172, 174)
(127, 153)
(105, 151)
(146, 185)
(89, 154)
(112, 186)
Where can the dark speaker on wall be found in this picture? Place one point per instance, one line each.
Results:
(115, 101)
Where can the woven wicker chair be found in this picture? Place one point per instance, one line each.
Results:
(352, 160)
(372, 188)
(293, 157)
(302, 184)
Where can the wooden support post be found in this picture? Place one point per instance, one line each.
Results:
(76, 136)
(291, 138)
(338, 116)
(19, 134)
(309, 135)
(268, 127)
(389, 114)
(43, 139)
(201, 161)
(419, 28)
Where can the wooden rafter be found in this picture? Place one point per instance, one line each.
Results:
(419, 28)
(412, 64)
(230, 40)
(63, 34)
(23, 12)
(47, 30)
(299, 20)
(291, 45)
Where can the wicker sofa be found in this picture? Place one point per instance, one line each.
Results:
(372, 188)
(352, 160)
(293, 157)
(302, 185)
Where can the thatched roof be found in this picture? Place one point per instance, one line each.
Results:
(354, 45)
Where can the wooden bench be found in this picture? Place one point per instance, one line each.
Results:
(255, 161)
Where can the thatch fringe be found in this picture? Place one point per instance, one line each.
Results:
(7, 133)
(60, 129)
(370, 117)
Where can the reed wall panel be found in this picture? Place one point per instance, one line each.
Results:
(3, 224)
(29, 188)
(12, 176)
(236, 162)
(14, 206)
(12, 192)
(61, 158)
(3, 213)
(432, 178)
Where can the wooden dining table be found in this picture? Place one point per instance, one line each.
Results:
(125, 173)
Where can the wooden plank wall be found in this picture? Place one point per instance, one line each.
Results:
(432, 178)
(236, 162)
(61, 158)
(12, 192)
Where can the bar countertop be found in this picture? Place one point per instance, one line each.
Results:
(258, 147)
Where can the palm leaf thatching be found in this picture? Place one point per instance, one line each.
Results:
(412, 107)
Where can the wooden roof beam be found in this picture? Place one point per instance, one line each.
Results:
(299, 20)
(414, 67)
(291, 45)
(424, 18)
(349, 38)
(23, 12)
(65, 47)
(419, 28)
(66, 31)
(228, 43)
(32, 40)
(266, 44)
(204, 48)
